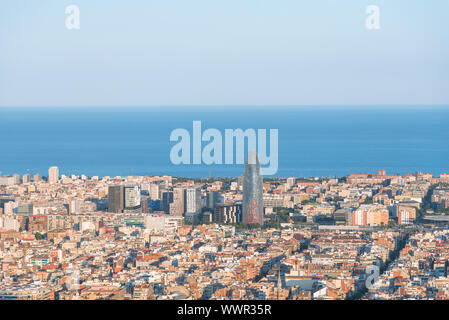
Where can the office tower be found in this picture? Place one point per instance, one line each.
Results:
(212, 199)
(26, 178)
(116, 198)
(193, 200)
(291, 181)
(37, 177)
(192, 217)
(144, 204)
(16, 178)
(177, 208)
(53, 175)
(155, 205)
(167, 198)
(153, 190)
(228, 213)
(132, 197)
(208, 217)
(252, 190)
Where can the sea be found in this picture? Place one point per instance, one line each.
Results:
(313, 141)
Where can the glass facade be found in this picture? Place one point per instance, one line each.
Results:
(252, 190)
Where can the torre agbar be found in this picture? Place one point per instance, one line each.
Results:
(252, 190)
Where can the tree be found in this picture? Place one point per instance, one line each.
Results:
(310, 201)
(253, 226)
(38, 236)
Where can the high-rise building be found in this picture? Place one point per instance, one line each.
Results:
(208, 217)
(53, 175)
(177, 208)
(16, 178)
(144, 204)
(291, 181)
(193, 200)
(26, 178)
(228, 213)
(116, 198)
(252, 190)
(192, 217)
(153, 191)
(37, 177)
(167, 198)
(212, 199)
(132, 197)
(406, 215)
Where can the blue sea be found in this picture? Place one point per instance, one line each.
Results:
(313, 141)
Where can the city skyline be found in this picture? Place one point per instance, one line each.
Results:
(325, 239)
(224, 158)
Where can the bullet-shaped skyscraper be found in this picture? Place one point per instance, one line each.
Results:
(252, 190)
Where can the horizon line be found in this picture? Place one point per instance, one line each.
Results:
(233, 106)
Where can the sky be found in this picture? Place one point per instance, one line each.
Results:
(223, 52)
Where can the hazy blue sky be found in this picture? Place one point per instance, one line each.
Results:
(223, 52)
